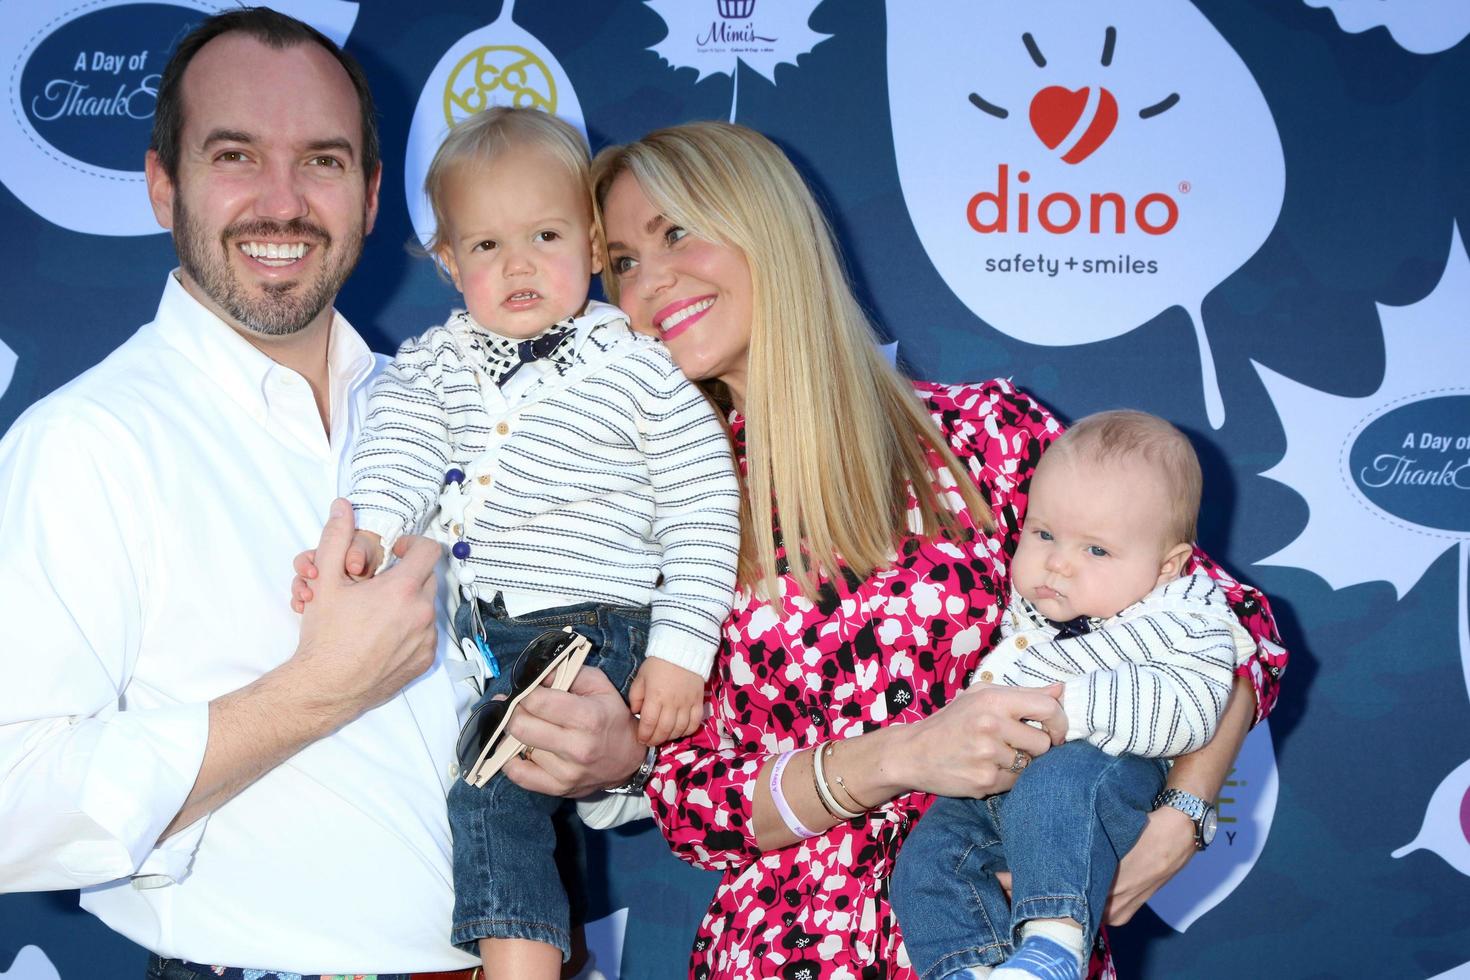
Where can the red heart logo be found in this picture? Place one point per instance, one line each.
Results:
(1056, 111)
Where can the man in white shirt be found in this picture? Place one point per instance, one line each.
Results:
(232, 785)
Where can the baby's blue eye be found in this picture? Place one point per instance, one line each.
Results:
(1097, 551)
(1044, 535)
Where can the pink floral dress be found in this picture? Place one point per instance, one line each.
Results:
(892, 648)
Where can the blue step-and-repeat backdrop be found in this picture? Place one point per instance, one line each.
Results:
(1245, 215)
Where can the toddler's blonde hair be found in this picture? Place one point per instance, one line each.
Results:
(490, 133)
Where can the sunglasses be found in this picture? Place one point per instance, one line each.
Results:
(484, 745)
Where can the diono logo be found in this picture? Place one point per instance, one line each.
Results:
(1075, 168)
(1056, 113)
(83, 86)
(1081, 118)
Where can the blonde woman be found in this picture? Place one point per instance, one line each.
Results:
(869, 591)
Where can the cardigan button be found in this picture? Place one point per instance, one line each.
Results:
(1021, 643)
(986, 676)
(501, 428)
(485, 480)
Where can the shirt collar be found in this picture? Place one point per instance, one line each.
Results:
(238, 367)
(499, 352)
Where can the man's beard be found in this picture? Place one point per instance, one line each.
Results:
(284, 308)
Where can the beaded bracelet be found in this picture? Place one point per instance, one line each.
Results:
(788, 816)
(825, 792)
(841, 784)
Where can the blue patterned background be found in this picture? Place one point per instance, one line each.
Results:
(1374, 722)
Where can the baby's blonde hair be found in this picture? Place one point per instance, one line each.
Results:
(1127, 434)
(486, 135)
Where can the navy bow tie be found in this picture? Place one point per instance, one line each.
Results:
(1071, 628)
(534, 350)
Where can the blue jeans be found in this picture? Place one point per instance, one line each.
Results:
(506, 881)
(1060, 831)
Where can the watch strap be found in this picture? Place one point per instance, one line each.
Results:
(635, 784)
(1194, 807)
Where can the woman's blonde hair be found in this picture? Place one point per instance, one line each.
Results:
(835, 437)
(486, 135)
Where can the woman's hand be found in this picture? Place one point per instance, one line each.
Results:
(1167, 841)
(967, 748)
(1163, 849)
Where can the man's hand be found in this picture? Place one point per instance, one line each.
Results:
(668, 699)
(364, 556)
(363, 641)
(583, 739)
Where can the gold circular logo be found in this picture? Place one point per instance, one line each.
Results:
(497, 75)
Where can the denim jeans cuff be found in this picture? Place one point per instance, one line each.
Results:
(1050, 907)
(991, 954)
(467, 935)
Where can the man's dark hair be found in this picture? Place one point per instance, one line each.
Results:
(274, 30)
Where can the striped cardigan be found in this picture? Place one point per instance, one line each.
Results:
(610, 481)
(1150, 681)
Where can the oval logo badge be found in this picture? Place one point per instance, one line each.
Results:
(90, 87)
(1413, 461)
(81, 89)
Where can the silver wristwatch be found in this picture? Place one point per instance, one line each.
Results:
(1201, 812)
(634, 786)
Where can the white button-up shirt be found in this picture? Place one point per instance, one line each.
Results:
(149, 512)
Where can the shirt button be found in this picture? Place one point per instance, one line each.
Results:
(1021, 642)
(453, 771)
(502, 427)
(986, 676)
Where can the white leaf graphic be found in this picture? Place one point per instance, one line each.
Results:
(605, 947)
(1247, 806)
(1420, 26)
(1385, 477)
(1349, 537)
(714, 36)
(1074, 168)
(1446, 827)
(31, 963)
(498, 64)
(7, 367)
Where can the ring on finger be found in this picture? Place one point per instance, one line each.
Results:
(1021, 761)
(525, 752)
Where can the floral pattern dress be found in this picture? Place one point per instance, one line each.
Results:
(892, 648)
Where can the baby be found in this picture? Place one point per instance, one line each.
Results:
(1144, 657)
(585, 487)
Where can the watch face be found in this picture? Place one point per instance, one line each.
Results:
(1208, 826)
